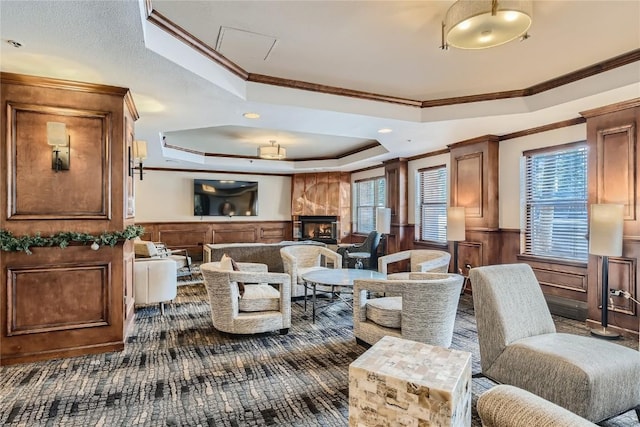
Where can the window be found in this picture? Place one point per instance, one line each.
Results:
(433, 204)
(370, 194)
(554, 200)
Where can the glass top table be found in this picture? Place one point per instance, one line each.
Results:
(334, 278)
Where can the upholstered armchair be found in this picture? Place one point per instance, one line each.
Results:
(145, 249)
(519, 346)
(154, 281)
(424, 311)
(261, 308)
(370, 246)
(420, 260)
(300, 259)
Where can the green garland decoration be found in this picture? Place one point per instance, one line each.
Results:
(11, 243)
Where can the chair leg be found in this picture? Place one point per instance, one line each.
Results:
(638, 412)
(284, 331)
(162, 308)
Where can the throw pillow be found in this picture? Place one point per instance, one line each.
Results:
(227, 263)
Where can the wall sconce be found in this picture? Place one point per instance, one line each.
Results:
(605, 240)
(57, 137)
(137, 153)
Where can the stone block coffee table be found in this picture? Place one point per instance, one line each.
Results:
(398, 382)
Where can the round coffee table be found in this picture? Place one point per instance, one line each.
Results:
(335, 278)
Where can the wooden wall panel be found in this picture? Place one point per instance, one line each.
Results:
(622, 276)
(297, 194)
(468, 191)
(54, 298)
(36, 191)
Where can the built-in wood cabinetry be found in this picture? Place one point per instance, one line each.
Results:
(612, 135)
(63, 302)
(474, 186)
(320, 194)
(402, 235)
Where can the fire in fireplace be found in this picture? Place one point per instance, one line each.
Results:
(320, 228)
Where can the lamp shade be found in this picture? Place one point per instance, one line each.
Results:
(480, 24)
(139, 149)
(57, 134)
(383, 220)
(455, 224)
(605, 230)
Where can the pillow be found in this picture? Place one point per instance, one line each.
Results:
(145, 249)
(227, 263)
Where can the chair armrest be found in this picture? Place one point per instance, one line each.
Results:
(282, 280)
(333, 256)
(385, 260)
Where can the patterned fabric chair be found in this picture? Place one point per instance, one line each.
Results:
(301, 259)
(420, 260)
(508, 406)
(519, 346)
(262, 308)
(370, 246)
(425, 311)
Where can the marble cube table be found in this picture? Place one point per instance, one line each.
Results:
(398, 382)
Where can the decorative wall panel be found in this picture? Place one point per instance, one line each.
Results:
(36, 191)
(468, 191)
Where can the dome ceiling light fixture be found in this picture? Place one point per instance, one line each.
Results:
(272, 152)
(480, 24)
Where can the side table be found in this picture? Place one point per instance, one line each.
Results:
(402, 382)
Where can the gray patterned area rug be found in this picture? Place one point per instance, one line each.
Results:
(176, 370)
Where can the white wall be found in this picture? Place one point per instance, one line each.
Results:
(510, 154)
(168, 196)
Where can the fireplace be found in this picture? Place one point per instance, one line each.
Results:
(319, 228)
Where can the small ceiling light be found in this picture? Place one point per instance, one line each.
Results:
(480, 24)
(251, 115)
(14, 43)
(385, 130)
(272, 152)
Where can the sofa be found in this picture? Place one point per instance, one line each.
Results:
(263, 253)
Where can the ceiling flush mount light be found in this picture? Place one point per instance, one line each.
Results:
(480, 24)
(272, 152)
(250, 115)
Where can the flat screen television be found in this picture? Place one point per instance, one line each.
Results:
(213, 197)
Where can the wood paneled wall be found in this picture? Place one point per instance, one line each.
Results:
(193, 235)
(612, 135)
(63, 302)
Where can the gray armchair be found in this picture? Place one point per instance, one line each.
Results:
(420, 260)
(300, 259)
(424, 311)
(370, 246)
(262, 308)
(519, 346)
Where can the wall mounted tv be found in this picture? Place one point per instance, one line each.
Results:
(212, 197)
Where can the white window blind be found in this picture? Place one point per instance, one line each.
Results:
(555, 203)
(433, 204)
(370, 194)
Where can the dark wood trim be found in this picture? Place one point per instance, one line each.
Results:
(554, 148)
(51, 83)
(213, 171)
(544, 128)
(373, 178)
(82, 350)
(618, 106)
(477, 139)
(555, 261)
(184, 36)
(430, 154)
(186, 150)
(444, 102)
(331, 90)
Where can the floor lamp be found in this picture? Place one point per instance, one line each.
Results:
(383, 226)
(455, 231)
(605, 240)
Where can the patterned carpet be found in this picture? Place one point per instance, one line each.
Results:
(176, 370)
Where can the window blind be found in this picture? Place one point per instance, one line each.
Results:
(370, 194)
(555, 203)
(433, 204)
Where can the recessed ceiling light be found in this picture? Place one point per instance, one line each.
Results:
(251, 115)
(385, 130)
